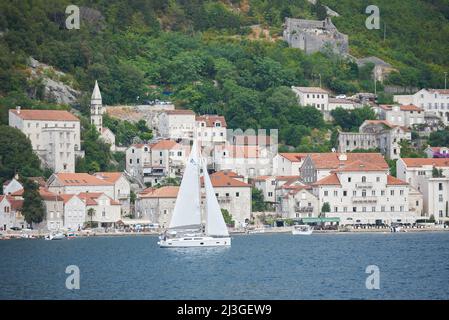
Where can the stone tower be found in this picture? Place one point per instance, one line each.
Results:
(96, 108)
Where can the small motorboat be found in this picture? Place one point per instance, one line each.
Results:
(55, 236)
(302, 229)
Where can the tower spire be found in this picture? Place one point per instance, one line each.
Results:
(96, 108)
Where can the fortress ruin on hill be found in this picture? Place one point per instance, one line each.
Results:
(313, 35)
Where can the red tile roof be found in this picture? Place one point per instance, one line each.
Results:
(48, 195)
(359, 165)
(210, 120)
(49, 115)
(226, 179)
(330, 180)
(419, 162)
(395, 181)
(109, 176)
(163, 192)
(330, 160)
(81, 179)
(164, 145)
(293, 156)
(16, 204)
(91, 198)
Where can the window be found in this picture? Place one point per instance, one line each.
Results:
(382, 192)
(440, 198)
(382, 208)
(237, 194)
(401, 192)
(373, 209)
(363, 193)
(391, 192)
(349, 179)
(373, 192)
(354, 209)
(401, 208)
(335, 193)
(377, 179)
(335, 209)
(392, 208)
(227, 194)
(132, 150)
(363, 179)
(440, 186)
(179, 153)
(354, 193)
(145, 149)
(364, 209)
(326, 193)
(345, 209)
(138, 160)
(270, 194)
(130, 161)
(160, 153)
(345, 193)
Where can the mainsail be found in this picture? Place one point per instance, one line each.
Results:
(215, 224)
(187, 212)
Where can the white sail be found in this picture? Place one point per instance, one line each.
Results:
(215, 224)
(187, 212)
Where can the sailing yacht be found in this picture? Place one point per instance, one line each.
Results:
(186, 228)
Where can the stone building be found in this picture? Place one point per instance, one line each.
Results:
(54, 136)
(401, 115)
(433, 101)
(375, 134)
(177, 124)
(312, 35)
(234, 195)
(152, 162)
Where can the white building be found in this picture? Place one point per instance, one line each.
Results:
(430, 176)
(211, 129)
(177, 124)
(401, 115)
(10, 213)
(12, 185)
(319, 98)
(122, 189)
(312, 96)
(74, 212)
(106, 211)
(288, 164)
(434, 101)
(96, 117)
(363, 193)
(54, 136)
(152, 162)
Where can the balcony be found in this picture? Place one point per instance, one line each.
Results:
(364, 199)
(303, 209)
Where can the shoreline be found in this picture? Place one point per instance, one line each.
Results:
(281, 230)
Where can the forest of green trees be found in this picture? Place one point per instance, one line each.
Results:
(197, 53)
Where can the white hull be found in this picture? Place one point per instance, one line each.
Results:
(187, 242)
(302, 230)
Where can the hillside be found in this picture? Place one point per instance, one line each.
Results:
(204, 55)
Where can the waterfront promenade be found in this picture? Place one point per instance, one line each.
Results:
(37, 234)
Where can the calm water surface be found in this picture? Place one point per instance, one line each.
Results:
(278, 266)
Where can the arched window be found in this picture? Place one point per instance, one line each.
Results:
(363, 179)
